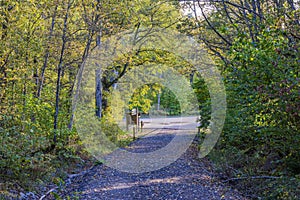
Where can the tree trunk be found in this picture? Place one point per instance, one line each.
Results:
(59, 70)
(158, 101)
(42, 77)
(98, 93)
(84, 56)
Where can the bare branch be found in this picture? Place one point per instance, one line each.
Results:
(251, 177)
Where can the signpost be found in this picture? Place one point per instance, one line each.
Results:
(133, 118)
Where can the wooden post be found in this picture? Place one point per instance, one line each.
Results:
(133, 128)
(137, 119)
(128, 120)
(142, 125)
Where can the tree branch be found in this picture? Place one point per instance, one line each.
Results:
(211, 26)
(251, 177)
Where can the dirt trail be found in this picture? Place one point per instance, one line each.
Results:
(187, 178)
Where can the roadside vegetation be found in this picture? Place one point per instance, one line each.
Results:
(254, 43)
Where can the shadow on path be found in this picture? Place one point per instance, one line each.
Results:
(187, 178)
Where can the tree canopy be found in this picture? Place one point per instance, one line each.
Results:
(254, 43)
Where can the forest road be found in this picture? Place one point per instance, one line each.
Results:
(186, 178)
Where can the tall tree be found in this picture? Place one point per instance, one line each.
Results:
(60, 68)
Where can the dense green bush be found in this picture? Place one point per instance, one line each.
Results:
(261, 132)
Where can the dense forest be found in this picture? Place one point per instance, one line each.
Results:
(255, 44)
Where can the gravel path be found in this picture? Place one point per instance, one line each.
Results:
(186, 178)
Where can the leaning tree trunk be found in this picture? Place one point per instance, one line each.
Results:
(79, 77)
